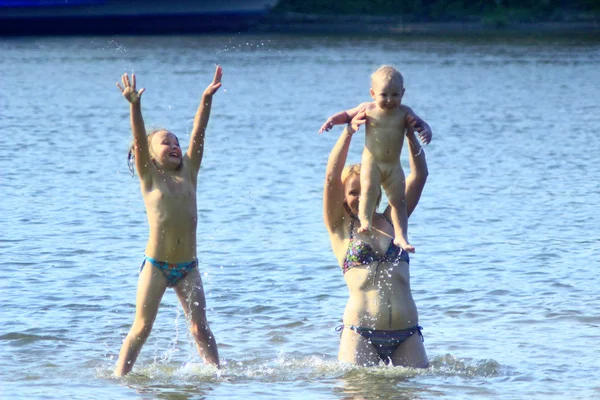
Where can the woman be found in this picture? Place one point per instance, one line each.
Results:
(380, 319)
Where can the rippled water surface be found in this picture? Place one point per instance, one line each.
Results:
(507, 231)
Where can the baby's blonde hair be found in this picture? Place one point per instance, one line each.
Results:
(354, 169)
(387, 72)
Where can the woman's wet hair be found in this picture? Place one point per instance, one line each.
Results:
(354, 169)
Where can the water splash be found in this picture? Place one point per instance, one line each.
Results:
(287, 368)
(449, 365)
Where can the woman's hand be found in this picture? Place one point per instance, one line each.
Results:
(128, 89)
(358, 120)
(216, 83)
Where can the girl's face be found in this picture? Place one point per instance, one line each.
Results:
(352, 192)
(165, 150)
(387, 93)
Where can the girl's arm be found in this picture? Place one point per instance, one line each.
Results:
(196, 148)
(140, 141)
(343, 117)
(333, 193)
(415, 181)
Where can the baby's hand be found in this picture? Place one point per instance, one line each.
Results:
(216, 83)
(424, 131)
(326, 126)
(128, 89)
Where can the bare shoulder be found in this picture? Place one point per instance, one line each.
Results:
(186, 160)
(149, 177)
(187, 170)
(405, 109)
(369, 105)
(339, 238)
(366, 105)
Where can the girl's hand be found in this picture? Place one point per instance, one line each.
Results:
(357, 121)
(128, 89)
(216, 83)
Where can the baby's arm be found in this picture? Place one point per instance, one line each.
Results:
(419, 125)
(142, 152)
(196, 148)
(343, 117)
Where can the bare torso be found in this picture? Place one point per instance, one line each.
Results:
(172, 216)
(379, 293)
(385, 133)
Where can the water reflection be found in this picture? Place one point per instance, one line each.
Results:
(377, 383)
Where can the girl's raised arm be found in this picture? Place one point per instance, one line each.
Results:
(140, 141)
(196, 148)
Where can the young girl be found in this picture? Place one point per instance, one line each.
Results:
(387, 120)
(168, 182)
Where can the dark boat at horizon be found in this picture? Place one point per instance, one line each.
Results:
(107, 17)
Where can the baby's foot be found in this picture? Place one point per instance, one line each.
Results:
(365, 226)
(400, 242)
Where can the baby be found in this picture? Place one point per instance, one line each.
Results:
(387, 121)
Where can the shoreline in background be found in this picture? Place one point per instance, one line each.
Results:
(288, 23)
(346, 24)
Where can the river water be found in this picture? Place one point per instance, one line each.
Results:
(507, 231)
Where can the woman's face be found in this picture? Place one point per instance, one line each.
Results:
(352, 192)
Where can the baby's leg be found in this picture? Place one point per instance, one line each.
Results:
(395, 187)
(370, 183)
(191, 295)
(151, 287)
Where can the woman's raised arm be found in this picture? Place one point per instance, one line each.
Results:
(415, 181)
(333, 193)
